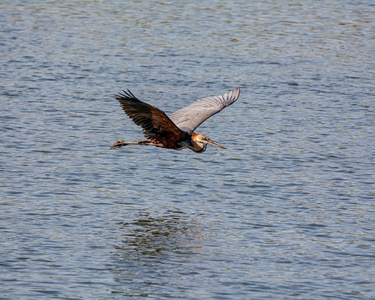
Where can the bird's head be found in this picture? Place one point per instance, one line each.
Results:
(199, 142)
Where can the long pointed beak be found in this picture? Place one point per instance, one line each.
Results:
(211, 142)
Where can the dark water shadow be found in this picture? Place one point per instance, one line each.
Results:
(156, 253)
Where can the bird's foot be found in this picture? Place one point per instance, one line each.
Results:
(118, 144)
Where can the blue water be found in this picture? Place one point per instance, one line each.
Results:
(285, 212)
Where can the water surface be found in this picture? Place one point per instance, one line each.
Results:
(286, 211)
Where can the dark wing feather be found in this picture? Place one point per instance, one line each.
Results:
(153, 121)
(190, 117)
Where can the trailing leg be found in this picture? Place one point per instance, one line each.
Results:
(119, 144)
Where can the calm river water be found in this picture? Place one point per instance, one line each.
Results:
(287, 211)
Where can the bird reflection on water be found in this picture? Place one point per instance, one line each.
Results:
(177, 131)
(169, 232)
(151, 252)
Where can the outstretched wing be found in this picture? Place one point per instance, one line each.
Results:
(153, 121)
(190, 117)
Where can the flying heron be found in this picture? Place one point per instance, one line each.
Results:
(177, 131)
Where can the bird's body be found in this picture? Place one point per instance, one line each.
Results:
(177, 131)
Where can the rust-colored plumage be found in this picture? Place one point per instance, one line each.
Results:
(174, 132)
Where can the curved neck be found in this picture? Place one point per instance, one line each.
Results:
(196, 145)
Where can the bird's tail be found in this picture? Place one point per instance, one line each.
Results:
(119, 144)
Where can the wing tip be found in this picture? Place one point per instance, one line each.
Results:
(125, 95)
(236, 93)
(232, 96)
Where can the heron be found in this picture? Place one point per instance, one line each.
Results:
(176, 131)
